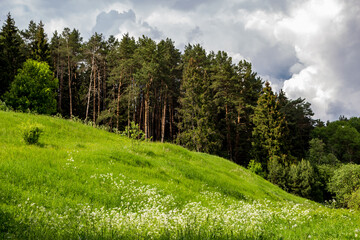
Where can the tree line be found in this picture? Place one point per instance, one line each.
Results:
(200, 100)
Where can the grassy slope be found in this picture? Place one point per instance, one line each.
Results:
(74, 163)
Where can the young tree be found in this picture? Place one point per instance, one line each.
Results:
(33, 89)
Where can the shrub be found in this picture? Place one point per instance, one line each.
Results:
(344, 184)
(31, 133)
(134, 132)
(354, 201)
(256, 168)
(33, 89)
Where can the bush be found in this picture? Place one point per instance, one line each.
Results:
(354, 201)
(256, 168)
(33, 89)
(278, 172)
(345, 183)
(134, 132)
(31, 133)
(302, 180)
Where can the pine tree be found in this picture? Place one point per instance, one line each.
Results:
(146, 58)
(270, 129)
(169, 74)
(41, 49)
(247, 88)
(197, 129)
(123, 91)
(223, 85)
(12, 57)
(70, 47)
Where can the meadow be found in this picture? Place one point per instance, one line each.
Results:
(80, 182)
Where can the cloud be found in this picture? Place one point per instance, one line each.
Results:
(109, 23)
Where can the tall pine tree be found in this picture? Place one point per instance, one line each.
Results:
(12, 57)
(197, 128)
(270, 129)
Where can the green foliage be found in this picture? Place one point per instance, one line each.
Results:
(11, 55)
(344, 183)
(299, 122)
(302, 179)
(3, 106)
(33, 89)
(32, 132)
(270, 130)
(345, 143)
(196, 113)
(318, 155)
(341, 138)
(256, 168)
(134, 132)
(278, 172)
(354, 200)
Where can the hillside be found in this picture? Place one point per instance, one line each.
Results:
(86, 183)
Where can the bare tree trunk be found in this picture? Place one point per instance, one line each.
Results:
(94, 99)
(228, 131)
(146, 117)
(118, 103)
(163, 119)
(171, 119)
(99, 92)
(70, 96)
(89, 92)
(61, 89)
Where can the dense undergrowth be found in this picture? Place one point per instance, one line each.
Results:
(79, 182)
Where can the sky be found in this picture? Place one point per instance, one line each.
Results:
(308, 48)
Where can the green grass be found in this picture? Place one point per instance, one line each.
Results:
(85, 183)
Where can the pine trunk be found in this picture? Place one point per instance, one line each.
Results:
(89, 92)
(118, 104)
(228, 131)
(147, 109)
(163, 119)
(98, 93)
(94, 99)
(70, 96)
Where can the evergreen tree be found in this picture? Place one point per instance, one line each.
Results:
(11, 57)
(300, 124)
(169, 74)
(123, 87)
(247, 88)
(197, 129)
(225, 97)
(147, 74)
(41, 49)
(70, 47)
(270, 129)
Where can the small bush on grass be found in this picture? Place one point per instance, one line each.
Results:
(32, 133)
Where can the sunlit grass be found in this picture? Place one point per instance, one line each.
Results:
(84, 183)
